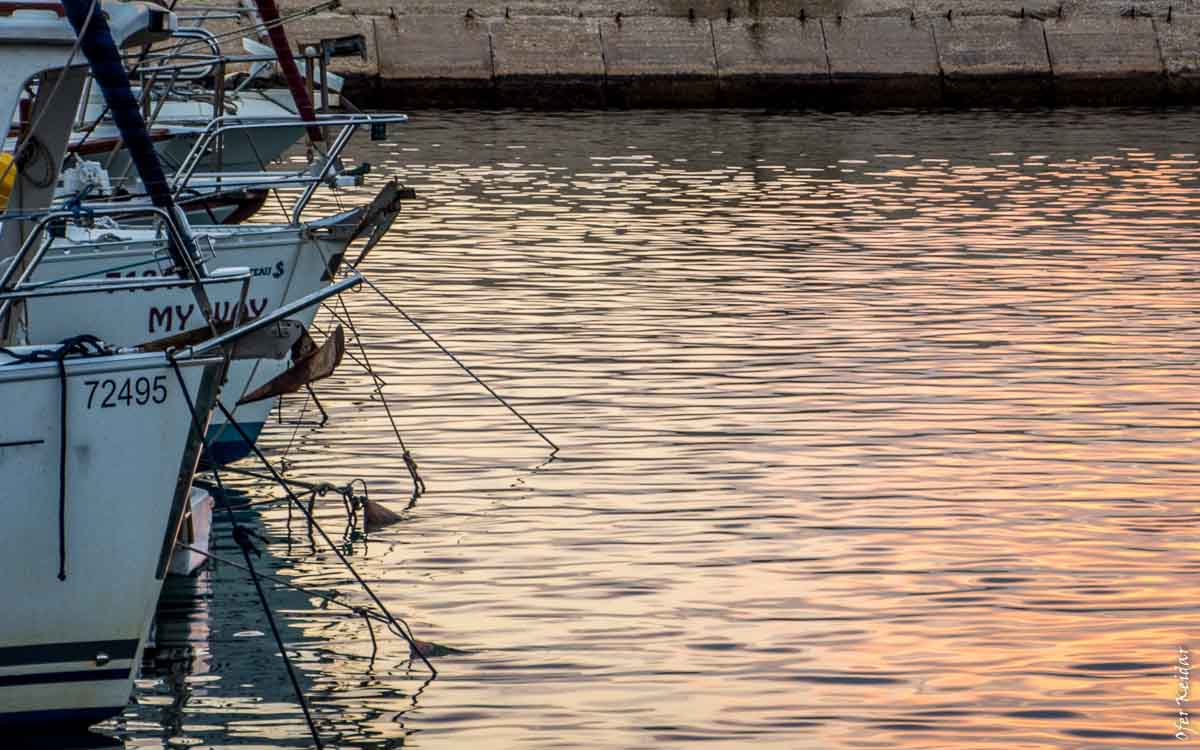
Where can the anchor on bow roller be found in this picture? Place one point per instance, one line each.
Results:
(310, 363)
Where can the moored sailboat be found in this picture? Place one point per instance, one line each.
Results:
(99, 445)
(96, 486)
(287, 261)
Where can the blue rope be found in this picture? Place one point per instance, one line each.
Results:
(76, 277)
(75, 206)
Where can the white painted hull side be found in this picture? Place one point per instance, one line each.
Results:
(69, 648)
(286, 265)
(196, 534)
(242, 150)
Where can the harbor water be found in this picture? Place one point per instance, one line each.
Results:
(877, 431)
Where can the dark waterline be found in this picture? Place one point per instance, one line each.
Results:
(878, 431)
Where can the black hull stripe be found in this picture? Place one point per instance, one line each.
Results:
(90, 675)
(54, 653)
(36, 724)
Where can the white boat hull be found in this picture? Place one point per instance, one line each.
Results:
(69, 648)
(182, 119)
(287, 263)
(196, 533)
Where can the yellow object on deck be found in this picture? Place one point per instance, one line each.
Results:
(8, 180)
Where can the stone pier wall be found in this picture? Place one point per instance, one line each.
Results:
(829, 54)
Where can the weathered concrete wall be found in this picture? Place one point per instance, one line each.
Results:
(784, 53)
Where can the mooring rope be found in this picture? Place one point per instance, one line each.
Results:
(351, 501)
(409, 462)
(379, 381)
(366, 613)
(460, 363)
(396, 625)
(79, 346)
(244, 539)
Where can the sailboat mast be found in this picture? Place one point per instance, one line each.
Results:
(268, 15)
(108, 71)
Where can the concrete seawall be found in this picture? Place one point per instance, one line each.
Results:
(829, 54)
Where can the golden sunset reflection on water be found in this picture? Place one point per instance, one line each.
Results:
(877, 431)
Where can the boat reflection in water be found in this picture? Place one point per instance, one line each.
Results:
(212, 673)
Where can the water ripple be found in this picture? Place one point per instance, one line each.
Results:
(877, 430)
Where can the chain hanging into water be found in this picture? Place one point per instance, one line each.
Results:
(398, 625)
(243, 537)
(459, 362)
(351, 501)
(409, 462)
